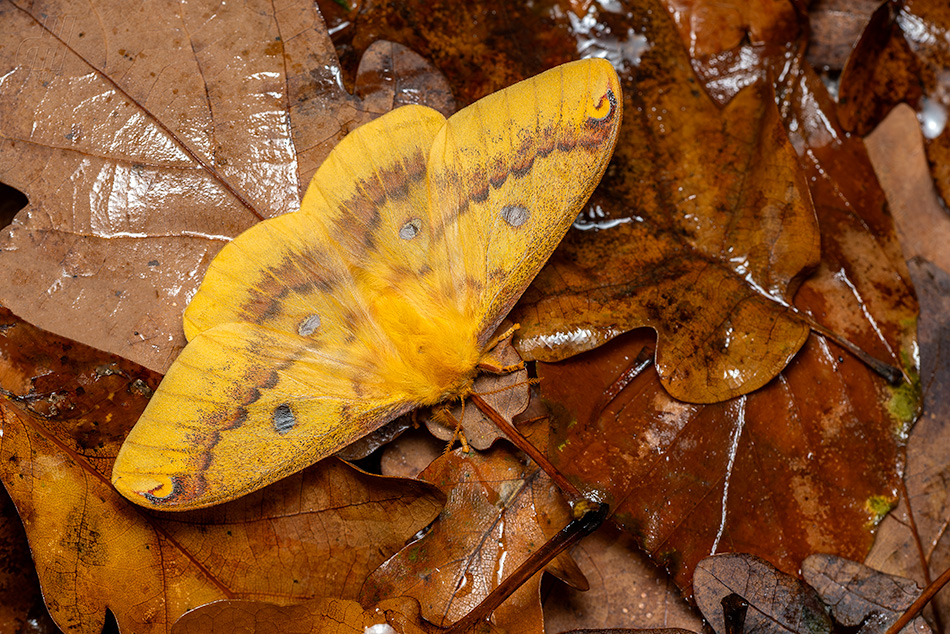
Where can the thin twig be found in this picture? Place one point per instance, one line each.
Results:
(918, 605)
(516, 437)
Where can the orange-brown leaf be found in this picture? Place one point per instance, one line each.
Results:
(499, 510)
(320, 616)
(318, 533)
(703, 230)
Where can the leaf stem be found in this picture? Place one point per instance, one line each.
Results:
(888, 372)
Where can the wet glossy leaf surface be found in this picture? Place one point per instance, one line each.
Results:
(146, 139)
(861, 290)
(763, 473)
(702, 241)
(332, 616)
(903, 55)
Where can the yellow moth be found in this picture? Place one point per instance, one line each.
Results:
(380, 295)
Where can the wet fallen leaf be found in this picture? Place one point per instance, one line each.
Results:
(318, 533)
(332, 616)
(861, 290)
(705, 242)
(626, 590)
(808, 463)
(766, 472)
(145, 139)
(903, 55)
(722, 36)
(858, 595)
(775, 602)
(499, 510)
(882, 72)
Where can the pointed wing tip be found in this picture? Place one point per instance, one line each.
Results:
(159, 491)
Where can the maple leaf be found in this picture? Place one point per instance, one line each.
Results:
(499, 510)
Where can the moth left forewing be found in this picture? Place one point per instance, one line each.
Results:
(508, 175)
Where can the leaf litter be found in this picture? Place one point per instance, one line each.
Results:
(893, 338)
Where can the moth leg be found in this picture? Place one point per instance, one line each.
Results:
(493, 365)
(494, 341)
(444, 416)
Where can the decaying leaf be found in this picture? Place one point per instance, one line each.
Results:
(835, 25)
(709, 28)
(703, 231)
(68, 407)
(146, 139)
(861, 290)
(626, 590)
(903, 55)
(723, 37)
(743, 588)
(765, 473)
(783, 472)
(896, 147)
(500, 508)
(320, 616)
(858, 595)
